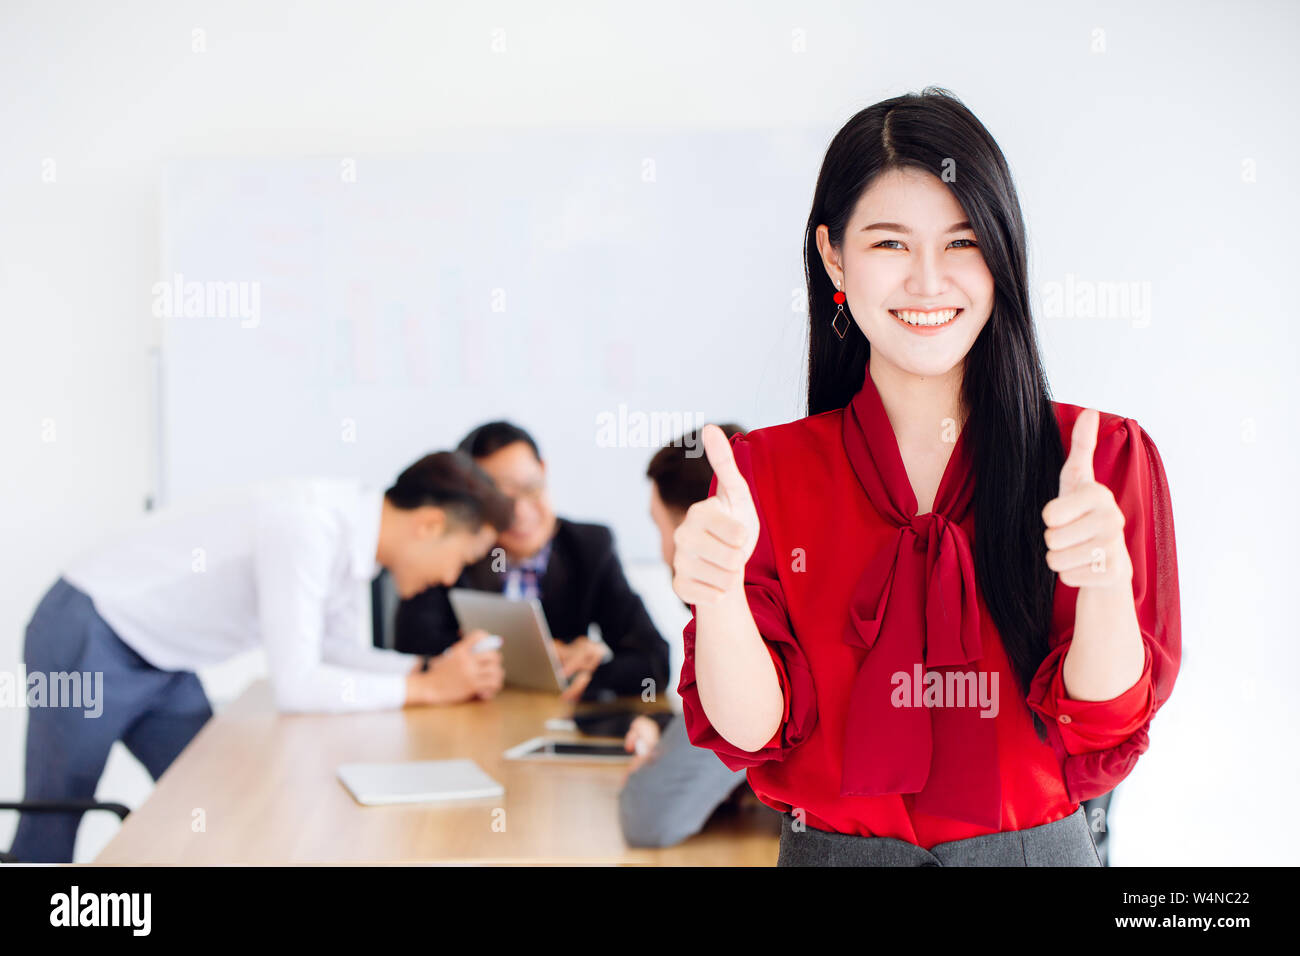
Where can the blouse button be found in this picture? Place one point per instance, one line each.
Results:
(1064, 718)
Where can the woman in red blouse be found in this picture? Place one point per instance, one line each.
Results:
(937, 613)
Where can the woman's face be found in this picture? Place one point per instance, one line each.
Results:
(907, 246)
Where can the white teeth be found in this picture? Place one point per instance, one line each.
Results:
(928, 318)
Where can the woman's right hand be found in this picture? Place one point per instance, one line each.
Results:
(713, 544)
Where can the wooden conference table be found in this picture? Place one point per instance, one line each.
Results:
(258, 787)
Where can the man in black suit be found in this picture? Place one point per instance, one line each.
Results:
(572, 568)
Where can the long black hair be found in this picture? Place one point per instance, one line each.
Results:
(1014, 438)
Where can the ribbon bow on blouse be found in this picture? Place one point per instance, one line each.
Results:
(914, 609)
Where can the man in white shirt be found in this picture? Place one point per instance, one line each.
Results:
(283, 564)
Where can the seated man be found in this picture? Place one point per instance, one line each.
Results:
(282, 564)
(674, 787)
(572, 568)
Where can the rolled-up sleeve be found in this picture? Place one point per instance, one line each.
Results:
(1091, 725)
(1100, 741)
(768, 607)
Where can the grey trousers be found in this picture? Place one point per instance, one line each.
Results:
(673, 795)
(1065, 842)
(154, 712)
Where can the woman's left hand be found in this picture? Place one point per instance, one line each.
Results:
(1085, 526)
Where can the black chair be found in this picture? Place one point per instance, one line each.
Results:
(59, 806)
(383, 610)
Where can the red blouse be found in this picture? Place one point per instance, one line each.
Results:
(814, 513)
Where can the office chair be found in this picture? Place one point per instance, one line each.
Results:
(383, 610)
(59, 806)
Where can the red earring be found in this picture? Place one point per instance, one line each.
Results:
(839, 298)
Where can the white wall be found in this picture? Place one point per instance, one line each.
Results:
(1129, 164)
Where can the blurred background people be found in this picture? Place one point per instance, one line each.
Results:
(673, 788)
(283, 564)
(571, 567)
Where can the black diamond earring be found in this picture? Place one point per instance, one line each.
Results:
(835, 321)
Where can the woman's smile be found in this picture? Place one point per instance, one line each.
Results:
(926, 322)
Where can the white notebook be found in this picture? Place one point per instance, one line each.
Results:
(418, 781)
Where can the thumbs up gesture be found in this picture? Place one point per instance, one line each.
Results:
(713, 544)
(1085, 526)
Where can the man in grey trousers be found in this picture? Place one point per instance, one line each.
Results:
(674, 787)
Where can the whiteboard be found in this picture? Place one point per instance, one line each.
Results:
(344, 315)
